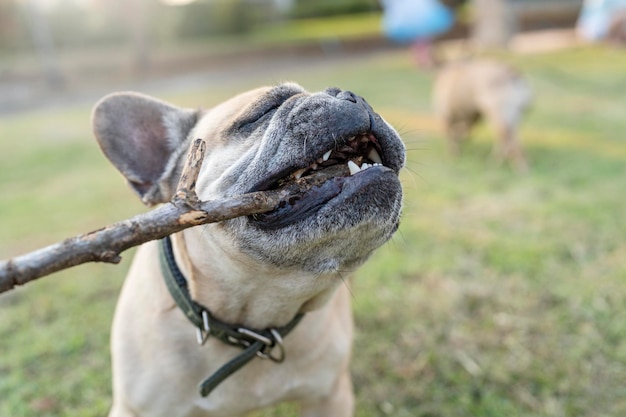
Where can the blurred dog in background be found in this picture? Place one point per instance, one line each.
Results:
(467, 90)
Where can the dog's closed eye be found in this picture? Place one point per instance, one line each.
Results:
(258, 115)
(263, 109)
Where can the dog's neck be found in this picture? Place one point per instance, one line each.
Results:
(239, 290)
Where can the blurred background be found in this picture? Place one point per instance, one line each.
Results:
(54, 49)
(502, 294)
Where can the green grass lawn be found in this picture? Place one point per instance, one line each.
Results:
(501, 295)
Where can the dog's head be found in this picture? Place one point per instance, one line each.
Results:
(345, 155)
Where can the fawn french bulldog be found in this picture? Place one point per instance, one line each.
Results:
(265, 294)
(468, 90)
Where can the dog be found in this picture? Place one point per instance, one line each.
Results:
(468, 90)
(253, 278)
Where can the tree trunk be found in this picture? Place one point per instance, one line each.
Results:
(494, 24)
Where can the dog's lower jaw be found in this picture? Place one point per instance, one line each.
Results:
(338, 237)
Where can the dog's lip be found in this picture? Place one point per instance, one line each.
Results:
(313, 186)
(363, 150)
(300, 205)
(318, 190)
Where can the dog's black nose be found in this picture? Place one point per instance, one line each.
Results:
(347, 95)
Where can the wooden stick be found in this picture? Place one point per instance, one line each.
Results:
(105, 245)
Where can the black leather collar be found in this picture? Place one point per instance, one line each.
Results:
(262, 343)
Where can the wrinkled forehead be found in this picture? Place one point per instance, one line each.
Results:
(223, 115)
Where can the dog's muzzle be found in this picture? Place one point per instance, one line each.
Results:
(323, 180)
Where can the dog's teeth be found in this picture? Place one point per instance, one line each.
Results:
(313, 165)
(354, 168)
(326, 156)
(374, 156)
(299, 173)
(365, 165)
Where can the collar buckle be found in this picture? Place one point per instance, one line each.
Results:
(273, 340)
(202, 334)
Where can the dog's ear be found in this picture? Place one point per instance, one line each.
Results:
(146, 139)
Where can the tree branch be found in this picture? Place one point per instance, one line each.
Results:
(105, 245)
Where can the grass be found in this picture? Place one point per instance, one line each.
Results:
(501, 295)
(336, 27)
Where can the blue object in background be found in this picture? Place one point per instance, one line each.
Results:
(595, 17)
(409, 20)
